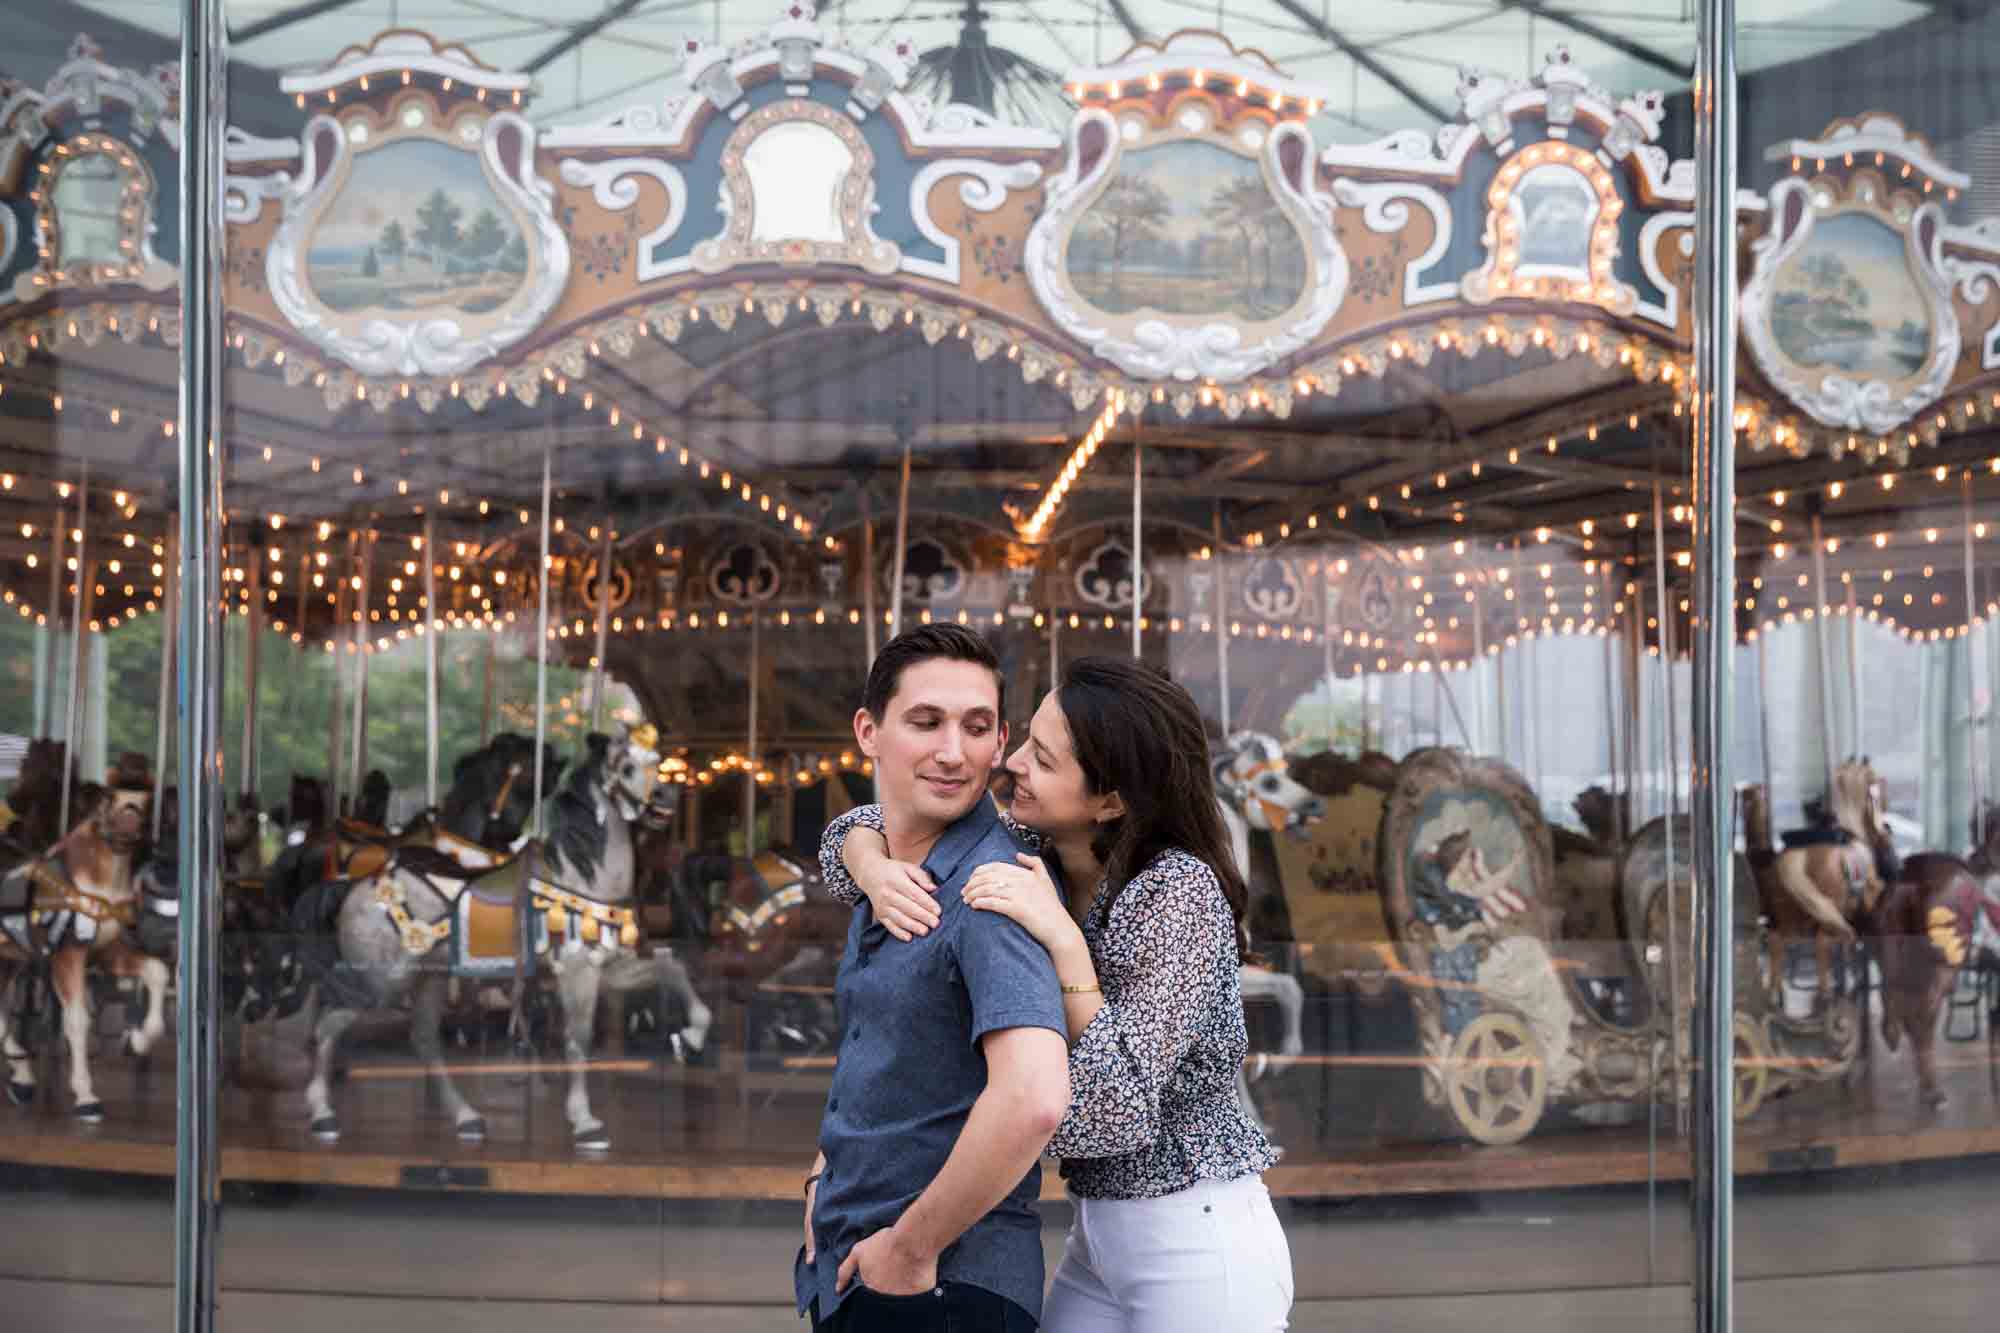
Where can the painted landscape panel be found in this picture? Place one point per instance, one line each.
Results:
(416, 226)
(1847, 301)
(1188, 228)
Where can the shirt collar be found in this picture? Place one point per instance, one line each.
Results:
(957, 842)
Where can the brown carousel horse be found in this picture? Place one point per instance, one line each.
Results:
(77, 905)
(1825, 882)
(1920, 934)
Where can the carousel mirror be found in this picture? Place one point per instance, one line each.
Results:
(797, 170)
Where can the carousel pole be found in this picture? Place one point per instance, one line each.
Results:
(80, 613)
(252, 657)
(1764, 713)
(1138, 545)
(197, 1185)
(1221, 617)
(340, 608)
(868, 580)
(1974, 759)
(542, 643)
(486, 691)
(1611, 711)
(1361, 674)
(750, 746)
(169, 635)
(902, 542)
(1823, 648)
(358, 733)
(431, 631)
(52, 641)
(597, 670)
(1478, 665)
(1669, 740)
(1854, 735)
(1531, 739)
(1055, 650)
(1714, 409)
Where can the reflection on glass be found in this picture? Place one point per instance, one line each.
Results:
(88, 195)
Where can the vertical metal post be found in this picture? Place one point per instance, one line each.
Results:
(1854, 736)
(1479, 685)
(334, 769)
(169, 640)
(1714, 304)
(486, 699)
(1764, 713)
(52, 641)
(1824, 649)
(357, 737)
(1975, 759)
(750, 748)
(1138, 544)
(433, 626)
(1669, 741)
(867, 580)
(542, 644)
(1221, 617)
(253, 615)
(1611, 711)
(597, 671)
(1055, 650)
(902, 544)
(203, 58)
(80, 616)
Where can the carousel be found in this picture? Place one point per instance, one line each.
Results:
(573, 474)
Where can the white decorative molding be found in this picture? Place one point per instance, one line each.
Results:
(389, 54)
(1218, 61)
(1665, 312)
(985, 189)
(239, 145)
(614, 186)
(1842, 401)
(1585, 272)
(1846, 144)
(1151, 345)
(10, 240)
(422, 343)
(135, 261)
(1384, 211)
(1112, 587)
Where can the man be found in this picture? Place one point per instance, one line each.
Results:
(953, 1070)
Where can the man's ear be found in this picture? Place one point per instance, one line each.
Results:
(864, 732)
(1000, 755)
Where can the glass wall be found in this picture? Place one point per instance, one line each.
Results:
(605, 384)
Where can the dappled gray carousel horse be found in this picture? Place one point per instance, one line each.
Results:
(565, 900)
(78, 905)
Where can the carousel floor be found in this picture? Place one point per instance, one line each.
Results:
(1350, 1126)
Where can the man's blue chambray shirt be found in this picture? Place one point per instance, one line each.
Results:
(910, 1068)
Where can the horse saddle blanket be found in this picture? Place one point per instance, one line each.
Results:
(484, 935)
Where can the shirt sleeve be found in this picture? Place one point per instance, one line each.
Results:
(1172, 936)
(832, 871)
(1008, 975)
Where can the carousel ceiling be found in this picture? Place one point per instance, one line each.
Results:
(1386, 67)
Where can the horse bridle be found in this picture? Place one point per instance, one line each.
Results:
(506, 790)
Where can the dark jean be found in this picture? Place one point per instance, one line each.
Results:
(955, 1307)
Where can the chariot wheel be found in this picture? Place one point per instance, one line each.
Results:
(1752, 1066)
(1495, 1079)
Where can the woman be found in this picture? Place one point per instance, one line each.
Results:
(1174, 1229)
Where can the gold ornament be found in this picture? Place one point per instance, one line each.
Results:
(646, 736)
(590, 929)
(557, 919)
(628, 935)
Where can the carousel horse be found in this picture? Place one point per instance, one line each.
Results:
(242, 852)
(308, 835)
(1824, 881)
(424, 916)
(654, 969)
(1256, 791)
(1587, 867)
(77, 905)
(35, 801)
(775, 941)
(1920, 933)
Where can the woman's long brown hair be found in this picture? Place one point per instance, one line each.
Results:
(1138, 733)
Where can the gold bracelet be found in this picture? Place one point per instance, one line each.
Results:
(1080, 990)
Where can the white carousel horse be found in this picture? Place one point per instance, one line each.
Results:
(1255, 790)
(78, 904)
(568, 897)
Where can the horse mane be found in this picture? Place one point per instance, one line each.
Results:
(1849, 799)
(576, 839)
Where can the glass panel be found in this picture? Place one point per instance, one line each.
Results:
(89, 270)
(1865, 675)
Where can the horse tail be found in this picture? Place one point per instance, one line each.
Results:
(1797, 882)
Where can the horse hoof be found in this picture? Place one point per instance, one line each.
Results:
(326, 1129)
(473, 1130)
(1932, 1097)
(90, 1113)
(21, 1094)
(592, 1140)
(694, 1037)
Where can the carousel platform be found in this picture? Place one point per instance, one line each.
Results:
(1350, 1126)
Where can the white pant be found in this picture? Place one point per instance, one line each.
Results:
(1209, 1259)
